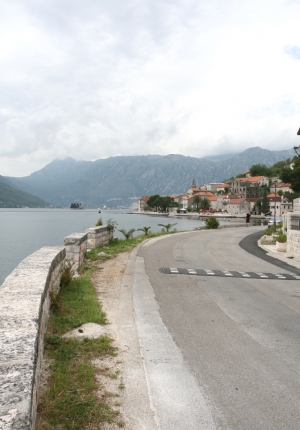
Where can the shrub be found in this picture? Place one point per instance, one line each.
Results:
(145, 230)
(281, 237)
(111, 224)
(167, 226)
(211, 222)
(67, 275)
(99, 222)
(269, 231)
(127, 234)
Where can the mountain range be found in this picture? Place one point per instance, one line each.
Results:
(119, 181)
(10, 197)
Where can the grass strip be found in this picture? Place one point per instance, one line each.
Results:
(115, 247)
(76, 304)
(70, 401)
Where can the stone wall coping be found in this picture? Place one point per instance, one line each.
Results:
(75, 238)
(96, 229)
(24, 308)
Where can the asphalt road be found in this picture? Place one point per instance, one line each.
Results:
(220, 351)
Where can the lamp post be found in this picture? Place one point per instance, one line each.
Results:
(275, 183)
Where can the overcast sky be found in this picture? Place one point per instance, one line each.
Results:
(100, 78)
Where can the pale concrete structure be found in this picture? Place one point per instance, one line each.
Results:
(24, 311)
(293, 230)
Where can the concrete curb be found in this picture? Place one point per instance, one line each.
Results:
(282, 256)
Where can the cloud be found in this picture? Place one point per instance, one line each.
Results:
(293, 51)
(105, 78)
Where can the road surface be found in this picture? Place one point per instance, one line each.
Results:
(218, 329)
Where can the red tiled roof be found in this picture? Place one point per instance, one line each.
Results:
(204, 193)
(281, 185)
(251, 179)
(236, 201)
(145, 198)
(272, 196)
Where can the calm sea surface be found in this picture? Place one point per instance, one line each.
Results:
(24, 231)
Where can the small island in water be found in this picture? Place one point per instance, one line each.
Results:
(76, 206)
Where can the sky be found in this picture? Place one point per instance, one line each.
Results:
(102, 78)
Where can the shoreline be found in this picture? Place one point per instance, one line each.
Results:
(197, 215)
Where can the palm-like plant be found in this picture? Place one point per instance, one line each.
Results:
(145, 230)
(167, 226)
(127, 234)
(197, 200)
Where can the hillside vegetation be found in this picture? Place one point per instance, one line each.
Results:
(12, 198)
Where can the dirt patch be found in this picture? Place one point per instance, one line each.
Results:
(107, 282)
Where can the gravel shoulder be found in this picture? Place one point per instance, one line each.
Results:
(114, 284)
(107, 281)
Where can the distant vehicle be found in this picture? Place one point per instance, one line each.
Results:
(271, 220)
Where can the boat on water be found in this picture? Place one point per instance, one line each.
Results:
(99, 210)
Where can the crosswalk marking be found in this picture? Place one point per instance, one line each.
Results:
(209, 272)
(192, 271)
(228, 273)
(245, 275)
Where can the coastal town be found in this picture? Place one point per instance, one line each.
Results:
(257, 195)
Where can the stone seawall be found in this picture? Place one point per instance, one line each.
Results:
(24, 312)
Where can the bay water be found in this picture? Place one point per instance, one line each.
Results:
(24, 231)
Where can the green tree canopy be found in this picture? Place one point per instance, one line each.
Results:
(205, 204)
(265, 205)
(292, 175)
(197, 200)
(160, 203)
(153, 201)
(260, 170)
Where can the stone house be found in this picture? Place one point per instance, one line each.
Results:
(249, 187)
(238, 206)
(281, 203)
(281, 186)
(142, 203)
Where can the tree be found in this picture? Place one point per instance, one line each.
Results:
(205, 204)
(265, 205)
(153, 202)
(160, 203)
(197, 200)
(166, 202)
(292, 175)
(258, 204)
(260, 170)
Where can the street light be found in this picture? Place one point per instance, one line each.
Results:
(275, 183)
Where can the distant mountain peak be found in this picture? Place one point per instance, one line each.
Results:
(120, 179)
